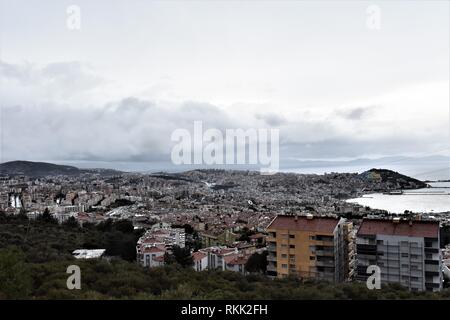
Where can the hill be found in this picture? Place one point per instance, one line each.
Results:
(36, 169)
(41, 169)
(384, 179)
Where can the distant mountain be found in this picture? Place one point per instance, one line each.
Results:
(383, 179)
(37, 169)
(41, 169)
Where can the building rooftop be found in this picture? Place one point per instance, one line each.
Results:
(196, 256)
(303, 223)
(88, 254)
(413, 228)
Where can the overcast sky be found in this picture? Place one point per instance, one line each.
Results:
(115, 89)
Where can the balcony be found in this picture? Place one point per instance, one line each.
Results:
(325, 263)
(272, 258)
(271, 268)
(325, 253)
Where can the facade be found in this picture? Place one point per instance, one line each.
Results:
(406, 251)
(153, 256)
(220, 238)
(218, 256)
(237, 263)
(306, 246)
(200, 261)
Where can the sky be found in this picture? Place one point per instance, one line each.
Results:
(335, 86)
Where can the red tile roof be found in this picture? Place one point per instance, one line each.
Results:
(196, 256)
(238, 260)
(159, 259)
(428, 229)
(153, 250)
(316, 224)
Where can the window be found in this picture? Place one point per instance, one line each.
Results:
(292, 266)
(405, 255)
(283, 245)
(414, 256)
(284, 256)
(312, 258)
(292, 246)
(292, 236)
(379, 241)
(284, 266)
(312, 238)
(429, 244)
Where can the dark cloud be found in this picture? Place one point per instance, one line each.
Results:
(271, 119)
(357, 113)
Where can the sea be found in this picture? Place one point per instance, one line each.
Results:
(428, 200)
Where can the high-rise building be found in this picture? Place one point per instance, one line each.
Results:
(307, 246)
(406, 251)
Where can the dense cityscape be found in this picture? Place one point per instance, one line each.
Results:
(276, 225)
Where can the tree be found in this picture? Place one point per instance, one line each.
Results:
(71, 223)
(47, 217)
(15, 280)
(181, 256)
(257, 262)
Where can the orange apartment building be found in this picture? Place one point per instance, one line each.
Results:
(309, 247)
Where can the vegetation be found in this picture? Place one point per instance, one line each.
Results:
(45, 240)
(180, 256)
(34, 256)
(257, 263)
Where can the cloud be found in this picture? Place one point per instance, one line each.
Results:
(356, 113)
(64, 111)
(60, 82)
(271, 119)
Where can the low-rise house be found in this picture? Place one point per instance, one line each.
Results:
(153, 256)
(218, 237)
(237, 262)
(200, 261)
(216, 256)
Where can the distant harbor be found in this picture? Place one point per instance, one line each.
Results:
(435, 199)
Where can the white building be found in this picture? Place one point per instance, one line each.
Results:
(200, 261)
(88, 254)
(153, 256)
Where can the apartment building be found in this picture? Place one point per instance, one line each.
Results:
(307, 246)
(407, 252)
